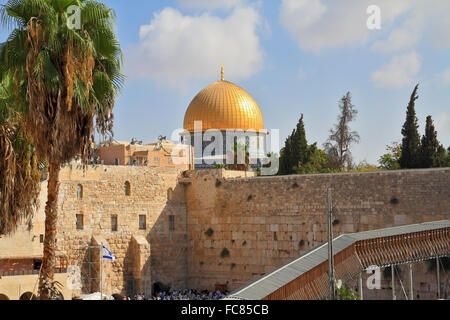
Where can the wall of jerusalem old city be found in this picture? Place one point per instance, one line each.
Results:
(228, 227)
(240, 229)
(157, 252)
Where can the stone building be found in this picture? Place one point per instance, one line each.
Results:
(163, 153)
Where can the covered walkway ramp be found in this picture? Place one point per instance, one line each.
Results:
(306, 278)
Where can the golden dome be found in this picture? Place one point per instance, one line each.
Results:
(224, 105)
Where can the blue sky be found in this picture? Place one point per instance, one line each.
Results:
(293, 56)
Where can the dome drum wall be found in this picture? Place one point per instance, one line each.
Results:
(217, 147)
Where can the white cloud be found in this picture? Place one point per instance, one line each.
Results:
(443, 124)
(324, 24)
(404, 38)
(211, 4)
(319, 24)
(399, 72)
(174, 48)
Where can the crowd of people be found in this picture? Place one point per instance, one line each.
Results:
(177, 295)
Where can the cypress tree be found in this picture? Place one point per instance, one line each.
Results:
(297, 157)
(286, 156)
(442, 159)
(411, 141)
(429, 147)
(299, 146)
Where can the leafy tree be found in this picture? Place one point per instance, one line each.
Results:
(299, 145)
(297, 157)
(429, 146)
(442, 158)
(316, 161)
(240, 149)
(345, 293)
(410, 157)
(390, 160)
(341, 137)
(19, 171)
(364, 166)
(286, 163)
(68, 77)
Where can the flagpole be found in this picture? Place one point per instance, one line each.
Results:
(101, 271)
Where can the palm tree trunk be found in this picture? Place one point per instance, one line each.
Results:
(51, 215)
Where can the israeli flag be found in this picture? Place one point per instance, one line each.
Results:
(107, 254)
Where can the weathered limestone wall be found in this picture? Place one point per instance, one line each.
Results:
(258, 224)
(25, 242)
(104, 196)
(228, 227)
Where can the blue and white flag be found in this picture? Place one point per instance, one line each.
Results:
(107, 254)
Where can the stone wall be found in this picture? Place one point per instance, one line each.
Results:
(242, 228)
(164, 255)
(209, 228)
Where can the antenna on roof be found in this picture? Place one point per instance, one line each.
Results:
(221, 72)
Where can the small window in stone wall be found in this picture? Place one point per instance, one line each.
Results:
(114, 222)
(80, 225)
(169, 194)
(171, 223)
(142, 222)
(80, 191)
(41, 238)
(127, 189)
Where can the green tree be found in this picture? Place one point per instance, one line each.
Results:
(345, 293)
(410, 157)
(286, 163)
(68, 77)
(390, 160)
(364, 166)
(19, 167)
(442, 159)
(297, 157)
(341, 137)
(241, 157)
(429, 146)
(299, 146)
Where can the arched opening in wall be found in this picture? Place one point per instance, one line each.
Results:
(127, 188)
(169, 194)
(79, 191)
(3, 296)
(27, 296)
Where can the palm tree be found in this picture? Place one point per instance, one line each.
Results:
(71, 77)
(19, 171)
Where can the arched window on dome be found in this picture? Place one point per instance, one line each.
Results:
(127, 188)
(79, 191)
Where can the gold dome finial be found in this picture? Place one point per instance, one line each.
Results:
(221, 72)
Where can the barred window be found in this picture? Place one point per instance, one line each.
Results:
(114, 222)
(171, 223)
(142, 222)
(127, 189)
(80, 224)
(80, 191)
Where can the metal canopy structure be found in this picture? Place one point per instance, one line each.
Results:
(306, 278)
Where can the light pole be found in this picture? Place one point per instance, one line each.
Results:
(330, 249)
